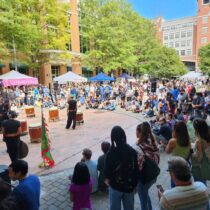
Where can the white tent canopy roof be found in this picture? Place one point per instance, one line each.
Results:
(14, 78)
(192, 75)
(69, 77)
(14, 75)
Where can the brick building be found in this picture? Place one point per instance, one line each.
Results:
(187, 35)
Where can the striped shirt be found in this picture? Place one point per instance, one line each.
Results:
(191, 197)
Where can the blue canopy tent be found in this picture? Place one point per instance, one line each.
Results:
(101, 77)
(125, 76)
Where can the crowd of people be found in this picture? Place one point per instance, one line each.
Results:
(175, 121)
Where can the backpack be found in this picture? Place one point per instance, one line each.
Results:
(126, 170)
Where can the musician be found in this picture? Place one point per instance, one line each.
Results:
(11, 132)
(71, 112)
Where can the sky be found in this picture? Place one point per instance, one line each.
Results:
(168, 9)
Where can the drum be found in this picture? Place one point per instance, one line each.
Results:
(30, 111)
(35, 132)
(24, 127)
(23, 150)
(53, 114)
(79, 117)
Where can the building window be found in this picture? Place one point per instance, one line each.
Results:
(55, 71)
(177, 35)
(204, 40)
(189, 33)
(188, 43)
(183, 34)
(166, 37)
(171, 36)
(176, 44)
(171, 44)
(204, 30)
(183, 43)
(206, 1)
(189, 52)
(177, 52)
(182, 52)
(166, 44)
(205, 19)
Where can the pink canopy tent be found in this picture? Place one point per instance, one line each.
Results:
(14, 78)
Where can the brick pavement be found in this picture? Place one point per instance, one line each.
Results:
(55, 191)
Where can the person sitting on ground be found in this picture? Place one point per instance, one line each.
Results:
(105, 146)
(27, 192)
(92, 167)
(81, 187)
(164, 133)
(186, 194)
(171, 121)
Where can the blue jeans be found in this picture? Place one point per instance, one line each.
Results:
(143, 191)
(115, 198)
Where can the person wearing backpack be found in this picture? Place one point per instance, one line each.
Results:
(147, 151)
(121, 171)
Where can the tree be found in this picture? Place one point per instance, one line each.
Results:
(31, 26)
(204, 54)
(119, 38)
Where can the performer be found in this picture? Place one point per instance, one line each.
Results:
(11, 132)
(71, 112)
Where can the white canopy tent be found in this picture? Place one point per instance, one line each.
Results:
(69, 77)
(192, 75)
(14, 78)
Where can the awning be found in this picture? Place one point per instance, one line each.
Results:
(2, 65)
(86, 69)
(19, 66)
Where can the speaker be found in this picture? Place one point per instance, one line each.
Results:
(153, 85)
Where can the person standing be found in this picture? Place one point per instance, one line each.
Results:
(146, 145)
(71, 111)
(27, 193)
(11, 131)
(121, 171)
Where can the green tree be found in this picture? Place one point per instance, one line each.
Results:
(31, 26)
(204, 54)
(119, 38)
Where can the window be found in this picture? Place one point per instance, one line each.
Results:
(205, 19)
(166, 37)
(183, 34)
(177, 52)
(171, 44)
(189, 52)
(176, 44)
(204, 30)
(55, 71)
(188, 43)
(166, 44)
(206, 1)
(182, 52)
(183, 43)
(171, 36)
(177, 35)
(204, 40)
(189, 33)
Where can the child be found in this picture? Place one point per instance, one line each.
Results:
(81, 187)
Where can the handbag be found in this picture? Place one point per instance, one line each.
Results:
(201, 170)
(150, 169)
(23, 150)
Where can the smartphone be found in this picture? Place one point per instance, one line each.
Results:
(159, 187)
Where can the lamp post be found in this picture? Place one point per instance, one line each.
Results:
(15, 55)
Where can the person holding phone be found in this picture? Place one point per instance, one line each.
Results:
(186, 194)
